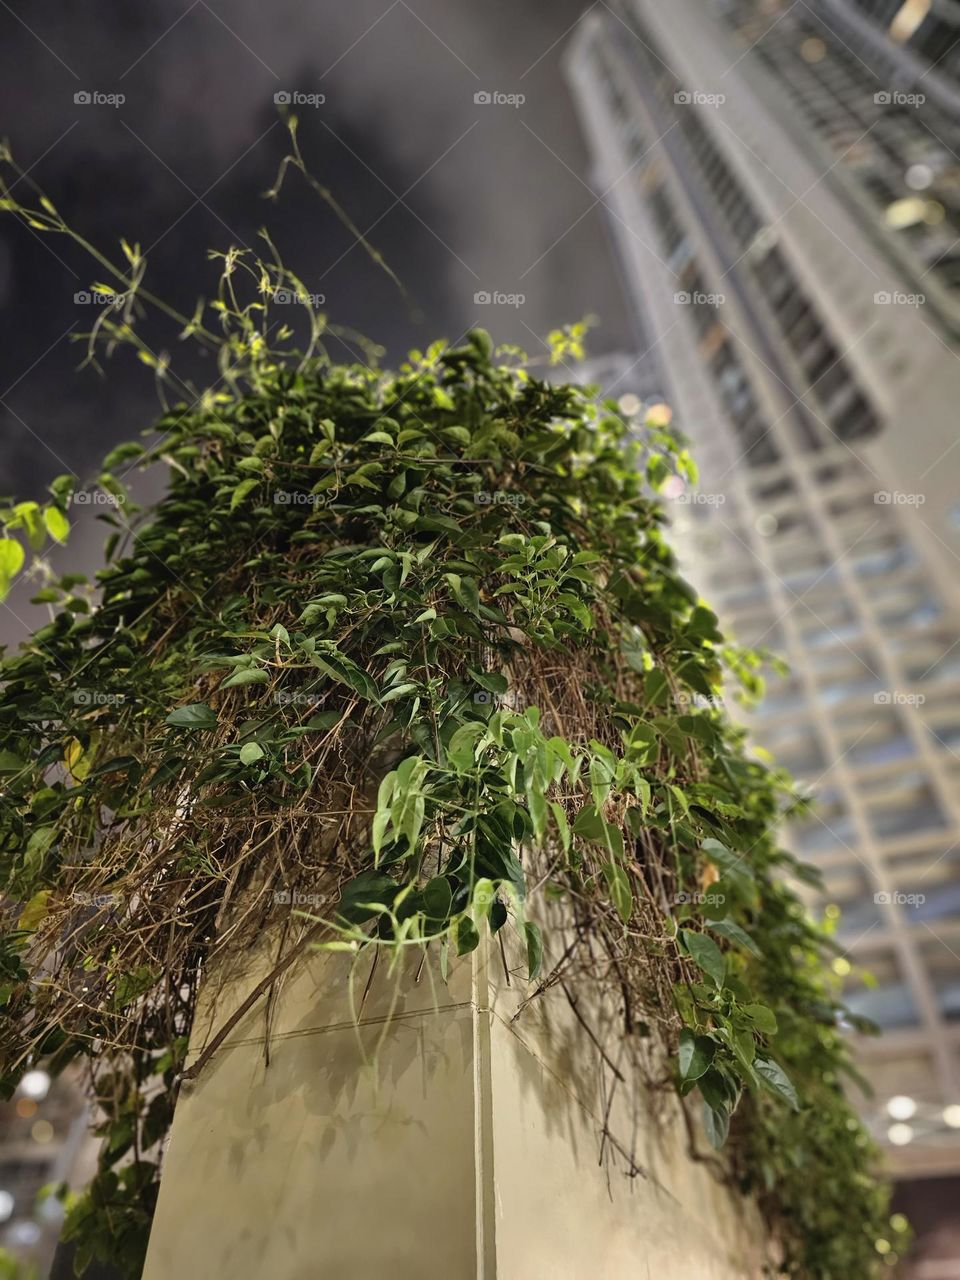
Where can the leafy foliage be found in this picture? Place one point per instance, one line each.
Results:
(414, 642)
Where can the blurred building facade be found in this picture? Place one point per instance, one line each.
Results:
(45, 1143)
(783, 185)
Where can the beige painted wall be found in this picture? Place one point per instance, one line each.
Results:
(435, 1138)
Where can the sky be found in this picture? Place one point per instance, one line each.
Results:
(461, 197)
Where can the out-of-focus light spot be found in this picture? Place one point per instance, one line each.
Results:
(901, 1107)
(841, 966)
(935, 213)
(23, 1234)
(26, 1107)
(907, 19)
(951, 1116)
(629, 404)
(35, 1084)
(659, 415)
(899, 1222)
(672, 487)
(813, 50)
(906, 212)
(900, 1134)
(766, 525)
(919, 177)
(42, 1131)
(882, 1246)
(832, 912)
(6, 1205)
(51, 1210)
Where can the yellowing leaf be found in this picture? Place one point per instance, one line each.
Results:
(77, 760)
(33, 913)
(12, 557)
(58, 526)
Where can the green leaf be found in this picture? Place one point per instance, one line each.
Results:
(618, 882)
(467, 937)
(563, 827)
(246, 675)
(763, 1019)
(27, 516)
(12, 557)
(773, 1076)
(38, 845)
(534, 949)
(730, 929)
(11, 763)
(589, 824)
(461, 750)
(381, 821)
(242, 489)
(197, 715)
(483, 897)
(492, 681)
(399, 691)
(705, 953)
(122, 453)
(716, 1124)
(34, 912)
(695, 1054)
(437, 897)
(251, 752)
(58, 526)
(368, 894)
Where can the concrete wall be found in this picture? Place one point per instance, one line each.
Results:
(433, 1137)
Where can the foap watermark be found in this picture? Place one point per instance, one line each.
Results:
(282, 699)
(97, 698)
(94, 98)
(699, 899)
(700, 499)
(99, 298)
(94, 498)
(297, 898)
(498, 498)
(896, 298)
(894, 498)
(701, 700)
(495, 98)
(896, 899)
(98, 900)
(894, 698)
(287, 297)
(699, 299)
(494, 298)
(695, 98)
(509, 700)
(897, 98)
(297, 498)
(297, 98)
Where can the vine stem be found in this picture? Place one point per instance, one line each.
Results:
(191, 1073)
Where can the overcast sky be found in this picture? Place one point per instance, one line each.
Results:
(459, 196)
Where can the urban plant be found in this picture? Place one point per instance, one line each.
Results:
(412, 645)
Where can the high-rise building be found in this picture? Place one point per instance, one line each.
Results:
(783, 185)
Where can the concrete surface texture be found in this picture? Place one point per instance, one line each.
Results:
(431, 1134)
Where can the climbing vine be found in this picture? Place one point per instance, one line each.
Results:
(409, 648)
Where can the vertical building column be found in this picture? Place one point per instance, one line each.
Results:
(429, 1135)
